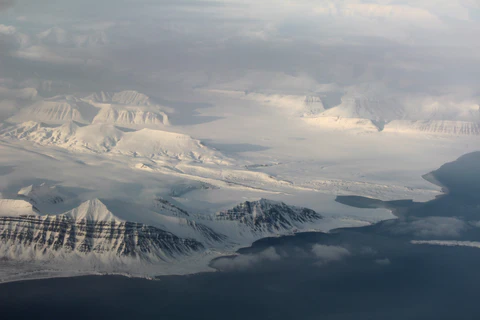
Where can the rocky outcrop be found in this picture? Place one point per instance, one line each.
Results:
(269, 216)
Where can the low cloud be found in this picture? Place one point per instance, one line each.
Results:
(326, 254)
(471, 244)
(383, 262)
(432, 227)
(243, 262)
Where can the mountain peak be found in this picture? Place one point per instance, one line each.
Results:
(92, 210)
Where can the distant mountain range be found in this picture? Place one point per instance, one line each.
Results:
(369, 110)
(125, 108)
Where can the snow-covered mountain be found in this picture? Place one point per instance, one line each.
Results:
(56, 110)
(90, 238)
(71, 135)
(90, 229)
(108, 138)
(127, 97)
(127, 108)
(128, 116)
(365, 107)
(265, 217)
(38, 194)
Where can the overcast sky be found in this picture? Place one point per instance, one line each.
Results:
(423, 46)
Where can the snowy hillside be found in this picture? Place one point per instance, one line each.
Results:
(434, 127)
(42, 193)
(103, 138)
(14, 208)
(71, 135)
(57, 110)
(364, 107)
(344, 124)
(433, 115)
(128, 116)
(127, 97)
(127, 108)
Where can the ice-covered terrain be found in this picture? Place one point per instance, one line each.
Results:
(56, 110)
(174, 197)
(371, 109)
(125, 108)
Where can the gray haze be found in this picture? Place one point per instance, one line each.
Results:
(426, 47)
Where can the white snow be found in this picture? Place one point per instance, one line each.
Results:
(129, 116)
(92, 210)
(128, 108)
(57, 110)
(257, 149)
(444, 127)
(10, 207)
(342, 123)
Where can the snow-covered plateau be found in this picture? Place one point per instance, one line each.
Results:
(117, 183)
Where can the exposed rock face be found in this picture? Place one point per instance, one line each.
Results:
(88, 229)
(269, 216)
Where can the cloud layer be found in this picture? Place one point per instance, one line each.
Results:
(420, 48)
(5, 4)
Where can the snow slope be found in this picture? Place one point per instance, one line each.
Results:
(42, 193)
(128, 116)
(127, 108)
(444, 127)
(57, 110)
(71, 135)
(155, 143)
(127, 97)
(343, 124)
(9, 207)
(103, 138)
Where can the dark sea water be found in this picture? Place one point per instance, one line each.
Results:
(372, 272)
